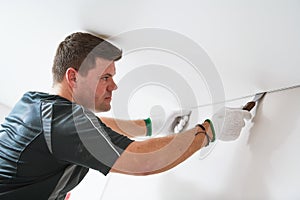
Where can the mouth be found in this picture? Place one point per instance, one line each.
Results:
(108, 98)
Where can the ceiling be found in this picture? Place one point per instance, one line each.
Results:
(253, 46)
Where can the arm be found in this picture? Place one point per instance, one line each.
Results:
(129, 128)
(159, 124)
(160, 154)
(157, 155)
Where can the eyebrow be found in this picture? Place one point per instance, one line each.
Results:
(107, 74)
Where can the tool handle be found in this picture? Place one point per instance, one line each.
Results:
(249, 106)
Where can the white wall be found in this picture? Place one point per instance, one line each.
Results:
(253, 46)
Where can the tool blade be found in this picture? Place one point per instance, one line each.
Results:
(252, 103)
(259, 96)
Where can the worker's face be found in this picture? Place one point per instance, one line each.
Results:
(94, 91)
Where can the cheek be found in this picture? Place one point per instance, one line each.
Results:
(86, 88)
(100, 91)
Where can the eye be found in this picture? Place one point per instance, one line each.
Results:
(105, 78)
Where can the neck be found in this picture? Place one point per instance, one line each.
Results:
(60, 90)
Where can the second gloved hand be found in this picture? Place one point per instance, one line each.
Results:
(228, 123)
(165, 125)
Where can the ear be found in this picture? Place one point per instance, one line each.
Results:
(71, 76)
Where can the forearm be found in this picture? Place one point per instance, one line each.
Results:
(129, 128)
(157, 155)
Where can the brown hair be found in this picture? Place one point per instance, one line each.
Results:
(79, 50)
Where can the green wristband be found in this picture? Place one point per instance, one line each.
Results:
(212, 129)
(148, 126)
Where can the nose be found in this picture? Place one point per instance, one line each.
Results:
(113, 86)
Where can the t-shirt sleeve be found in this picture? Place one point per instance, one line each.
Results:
(117, 139)
(80, 137)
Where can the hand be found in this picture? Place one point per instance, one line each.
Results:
(175, 122)
(228, 123)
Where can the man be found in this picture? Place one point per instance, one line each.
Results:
(49, 141)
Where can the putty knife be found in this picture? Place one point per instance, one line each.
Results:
(252, 103)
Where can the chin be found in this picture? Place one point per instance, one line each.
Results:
(103, 109)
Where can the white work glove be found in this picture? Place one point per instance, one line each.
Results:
(162, 125)
(228, 123)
